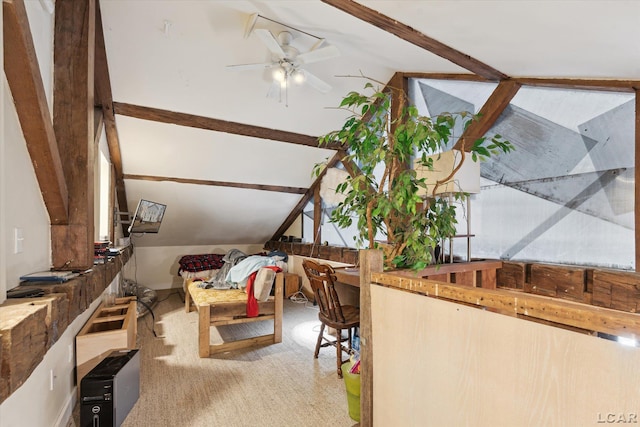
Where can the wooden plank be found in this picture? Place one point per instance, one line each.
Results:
(261, 187)
(240, 344)
(440, 277)
(109, 318)
(335, 253)
(446, 76)
(410, 35)
(324, 252)
(467, 278)
(349, 276)
(350, 256)
(628, 86)
(489, 114)
(570, 313)
(455, 267)
(511, 275)
(371, 262)
(317, 216)
(73, 102)
(559, 281)
(487, 279)
(57, 317)
(291, 284)
(224, 310)
(616, 290)
(24, 343)
(23, 75)
(277, 321)
(238, 310)
(204, 326)
(208, 123)
(222, 321)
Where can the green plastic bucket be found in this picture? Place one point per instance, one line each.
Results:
(352, 383)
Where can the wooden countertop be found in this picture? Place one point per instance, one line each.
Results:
(348, 275)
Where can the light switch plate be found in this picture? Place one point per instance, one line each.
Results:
(18, 240)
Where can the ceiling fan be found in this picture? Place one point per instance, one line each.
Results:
(287, 62)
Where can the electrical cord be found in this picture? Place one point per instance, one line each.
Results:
(153, 317)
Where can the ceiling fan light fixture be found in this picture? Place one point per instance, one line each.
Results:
(287, 62)
(279, 74)
(298, 76)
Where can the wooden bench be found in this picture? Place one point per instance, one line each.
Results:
(226, 307)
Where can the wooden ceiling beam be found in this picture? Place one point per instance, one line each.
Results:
(605, 85)
(410, 35)
(629, 86)
(201, 122)
(446, 76)
(489, 113)
(262, 187)
(104, 99)
(73, 122)
(27, 89)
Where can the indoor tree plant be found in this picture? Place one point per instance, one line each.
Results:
(378, 137)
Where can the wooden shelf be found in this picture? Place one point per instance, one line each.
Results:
(108, 328)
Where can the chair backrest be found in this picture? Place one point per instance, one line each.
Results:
(322, 278)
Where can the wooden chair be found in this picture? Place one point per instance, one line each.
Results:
(332, 313)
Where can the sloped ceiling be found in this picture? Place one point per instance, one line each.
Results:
(172, 55)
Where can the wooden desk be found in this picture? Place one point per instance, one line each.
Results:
(349, 276)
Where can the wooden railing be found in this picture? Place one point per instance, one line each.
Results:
(574, 312)
(512, 303)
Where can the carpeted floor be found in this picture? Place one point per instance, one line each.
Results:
(276, 385)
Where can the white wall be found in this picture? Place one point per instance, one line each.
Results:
(34, 404)
(22, 204)
(157, 267)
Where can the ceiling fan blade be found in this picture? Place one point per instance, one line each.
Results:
(250, 25)
(316, 82)
(270, 41)
(243, 67)
(321, 54)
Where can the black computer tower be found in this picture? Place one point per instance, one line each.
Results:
(109, 391)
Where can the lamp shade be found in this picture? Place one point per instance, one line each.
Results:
(466, 180)
(329, 184)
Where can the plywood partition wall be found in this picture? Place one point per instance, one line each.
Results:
(440, 363)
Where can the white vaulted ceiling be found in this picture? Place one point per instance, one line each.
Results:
(172, 55)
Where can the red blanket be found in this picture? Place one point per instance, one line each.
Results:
(252, 303)
(201, 262)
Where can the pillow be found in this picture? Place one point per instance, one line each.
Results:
(263, 283)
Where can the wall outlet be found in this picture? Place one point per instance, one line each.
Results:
(70, 359)
(51, 379)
